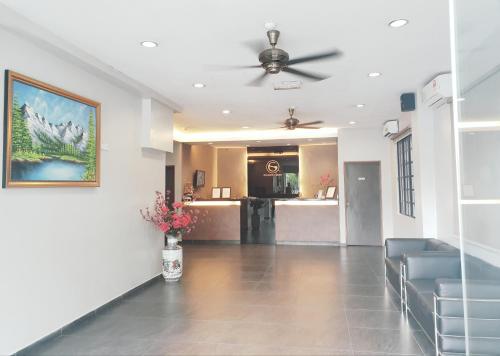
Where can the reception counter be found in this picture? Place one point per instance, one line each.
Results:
(313, 222)
(218, 220)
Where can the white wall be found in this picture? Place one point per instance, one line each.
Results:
(175, 159)
(434, 176)
(445, 183)
(67, 251)
(366, 145)
(157, 125)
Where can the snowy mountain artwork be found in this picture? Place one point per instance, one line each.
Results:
(52, 136)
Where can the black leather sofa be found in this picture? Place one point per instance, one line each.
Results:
(395, 249)
(432, 287)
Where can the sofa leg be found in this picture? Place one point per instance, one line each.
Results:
(405, 294)
(401, 286)
(436, 327)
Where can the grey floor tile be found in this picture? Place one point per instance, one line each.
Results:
(377, 319)
(384, 341)
(364, 290)
(167, 348)
(369, 302)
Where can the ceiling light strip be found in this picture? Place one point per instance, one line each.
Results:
(254, 135)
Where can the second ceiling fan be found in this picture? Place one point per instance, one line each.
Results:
(293, 123)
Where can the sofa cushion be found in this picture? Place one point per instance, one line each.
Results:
(447, 248)
(395, 247)
(433, 244)
(421, 302)
(392, 269)
(422, 285)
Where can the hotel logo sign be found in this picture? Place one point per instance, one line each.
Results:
(272, 169)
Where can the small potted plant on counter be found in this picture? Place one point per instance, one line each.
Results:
(174, 221)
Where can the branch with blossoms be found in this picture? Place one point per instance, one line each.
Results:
(326, 180)
(177, 220)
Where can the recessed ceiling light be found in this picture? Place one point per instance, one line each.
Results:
(198, 85)
(210, 143)
(352, 122)
(359, 106)
(309, 139)
(288, 144)
(398, 23)
(257, 141)
(460, 99)
(245, 127)
(374, 74)
(226, 112)
(149, 44)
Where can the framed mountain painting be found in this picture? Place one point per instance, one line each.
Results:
(51, 136)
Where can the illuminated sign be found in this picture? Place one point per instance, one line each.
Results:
(272, 169)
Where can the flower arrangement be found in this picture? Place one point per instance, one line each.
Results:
(172, 221)
(326, 180)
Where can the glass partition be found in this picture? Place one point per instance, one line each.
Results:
(469, 315)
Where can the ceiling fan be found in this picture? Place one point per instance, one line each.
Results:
(275, 60)
(293, 123)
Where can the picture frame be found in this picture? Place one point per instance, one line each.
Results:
(226, 193)
(216, 193)
(330, 192)
(52, 137)
(319, 195)
(199, 178)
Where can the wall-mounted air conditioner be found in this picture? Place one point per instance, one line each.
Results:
(438, 92)
(390, 128)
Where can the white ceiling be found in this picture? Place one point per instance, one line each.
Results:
(194, 35)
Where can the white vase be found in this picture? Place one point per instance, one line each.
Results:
(172, 260)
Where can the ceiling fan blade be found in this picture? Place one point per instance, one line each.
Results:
(308, 127)
(257, 81)
(309, 75)
(256, 46)
(229, 67)
(311, 123)
(315, 57)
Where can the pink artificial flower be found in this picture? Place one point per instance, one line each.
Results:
(164, 208)
(164, 227)
(177, 205)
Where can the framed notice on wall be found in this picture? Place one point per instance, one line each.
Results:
(216, 193)
(226, 193)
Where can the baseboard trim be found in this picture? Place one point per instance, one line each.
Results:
(63, 330)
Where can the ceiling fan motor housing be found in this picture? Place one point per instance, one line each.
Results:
(273, 59)
(291, 123)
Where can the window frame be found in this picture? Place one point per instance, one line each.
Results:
(405, 176)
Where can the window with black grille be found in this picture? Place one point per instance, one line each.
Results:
(405, 177)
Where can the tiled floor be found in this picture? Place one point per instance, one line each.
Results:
(255, 300)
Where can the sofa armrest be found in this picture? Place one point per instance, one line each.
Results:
(483, 304)
(397, 246)
(432, 265)
(476, 289)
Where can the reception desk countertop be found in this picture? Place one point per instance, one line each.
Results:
(307, 221)
(219, 220)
